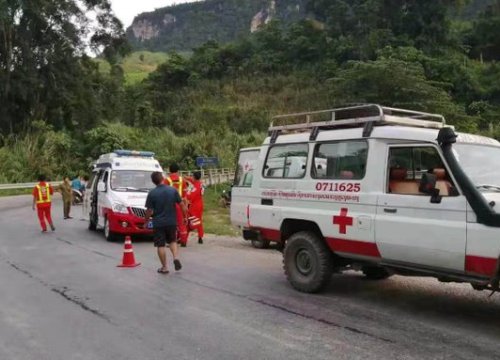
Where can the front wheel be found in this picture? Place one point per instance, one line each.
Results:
(308, 262)
(110, 236)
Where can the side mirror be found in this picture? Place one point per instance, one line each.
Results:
(427, 184)
(435, 197)
(101, 187)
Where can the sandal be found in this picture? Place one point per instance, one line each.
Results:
(162, 271)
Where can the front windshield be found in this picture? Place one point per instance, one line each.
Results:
(481, 163)
(131, 180)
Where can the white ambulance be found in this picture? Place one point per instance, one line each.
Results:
(117, 193)
(376, 189)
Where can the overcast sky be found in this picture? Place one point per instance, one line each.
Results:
(126, 10)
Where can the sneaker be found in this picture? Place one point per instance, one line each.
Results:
(44, 231)
(183, 245)
(177, 265)
(200, 241)
(53, 227)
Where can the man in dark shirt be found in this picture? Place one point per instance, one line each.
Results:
(161, 206)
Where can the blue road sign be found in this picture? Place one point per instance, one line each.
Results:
(207, 161)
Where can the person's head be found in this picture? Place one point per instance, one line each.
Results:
(157, 178)
(86, 178)
(173, 168)
(197, 175)
(42, 177)
(66, 178)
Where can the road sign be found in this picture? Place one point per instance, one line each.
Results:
(207, 161)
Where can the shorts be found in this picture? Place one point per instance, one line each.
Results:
(165, 235)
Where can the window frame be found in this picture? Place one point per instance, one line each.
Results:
(284, 159)
(318, 144)
(413, 146)
(235, 182)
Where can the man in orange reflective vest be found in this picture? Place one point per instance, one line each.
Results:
(195, 199)
(42, 198)
(178, 182)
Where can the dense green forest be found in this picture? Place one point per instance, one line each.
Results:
(61, 108)
(186, 26)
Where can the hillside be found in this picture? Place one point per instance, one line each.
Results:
(136, 66)
(186, 26)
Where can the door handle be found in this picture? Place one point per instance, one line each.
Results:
(390, 210)
(266, 202)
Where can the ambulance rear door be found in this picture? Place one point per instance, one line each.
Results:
(242, 193)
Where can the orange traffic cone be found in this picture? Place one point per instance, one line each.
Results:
(128, 254)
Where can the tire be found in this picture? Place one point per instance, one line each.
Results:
(93, 219)
(261, 244)
(308, 262)
(110, 236)
(376, 273)
(92, 225)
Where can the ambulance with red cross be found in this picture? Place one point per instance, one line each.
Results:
(116, 194)
(380, 190)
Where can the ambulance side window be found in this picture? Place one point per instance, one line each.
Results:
(286, 161)
(407, 165)
(340, 160)
(245, 170)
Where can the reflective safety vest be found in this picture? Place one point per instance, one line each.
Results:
(41, 192)
(178, 184)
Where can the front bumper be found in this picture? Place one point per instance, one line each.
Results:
(127, 224)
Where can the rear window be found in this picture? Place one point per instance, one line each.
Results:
(286, 161)
(340, 160)
(246, 166)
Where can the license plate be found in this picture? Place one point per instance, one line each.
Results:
(149, 225)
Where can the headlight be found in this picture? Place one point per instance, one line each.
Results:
(120, 208)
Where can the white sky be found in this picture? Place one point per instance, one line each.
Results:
(126, 10)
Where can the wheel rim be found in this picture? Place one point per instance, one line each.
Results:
(304, 262)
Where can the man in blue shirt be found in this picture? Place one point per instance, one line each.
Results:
(76, 184)
(161, 206)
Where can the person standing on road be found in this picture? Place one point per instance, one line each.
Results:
(178, 182)
(161, 206)
(195, 209)
(67, 195)
(42, 198)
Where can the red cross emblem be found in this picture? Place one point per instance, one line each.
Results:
(343, 221)
(247, 167)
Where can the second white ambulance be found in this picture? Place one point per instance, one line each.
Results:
(381, 190)
(117, 193)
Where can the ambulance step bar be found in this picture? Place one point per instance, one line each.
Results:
(355, 116)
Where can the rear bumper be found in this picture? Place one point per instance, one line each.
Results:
(262, 234)
(127, 224)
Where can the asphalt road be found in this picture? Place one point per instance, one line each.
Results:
(64, 298)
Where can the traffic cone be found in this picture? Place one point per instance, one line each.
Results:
(128, 254)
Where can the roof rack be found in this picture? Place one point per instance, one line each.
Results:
(355, 116)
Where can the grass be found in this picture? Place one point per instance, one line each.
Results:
(15, 192)
(136, 66)
(216, 217)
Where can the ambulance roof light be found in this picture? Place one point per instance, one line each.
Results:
(134, 153)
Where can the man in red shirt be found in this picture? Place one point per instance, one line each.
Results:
(42, 198)
(195, 199)
(178, 182)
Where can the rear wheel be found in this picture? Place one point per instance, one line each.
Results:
(376, 273)
(308, 262)
(260, 243)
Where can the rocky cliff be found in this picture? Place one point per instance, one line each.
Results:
(185, 26)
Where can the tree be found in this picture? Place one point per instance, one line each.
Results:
(42, 56)
(485, 35)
